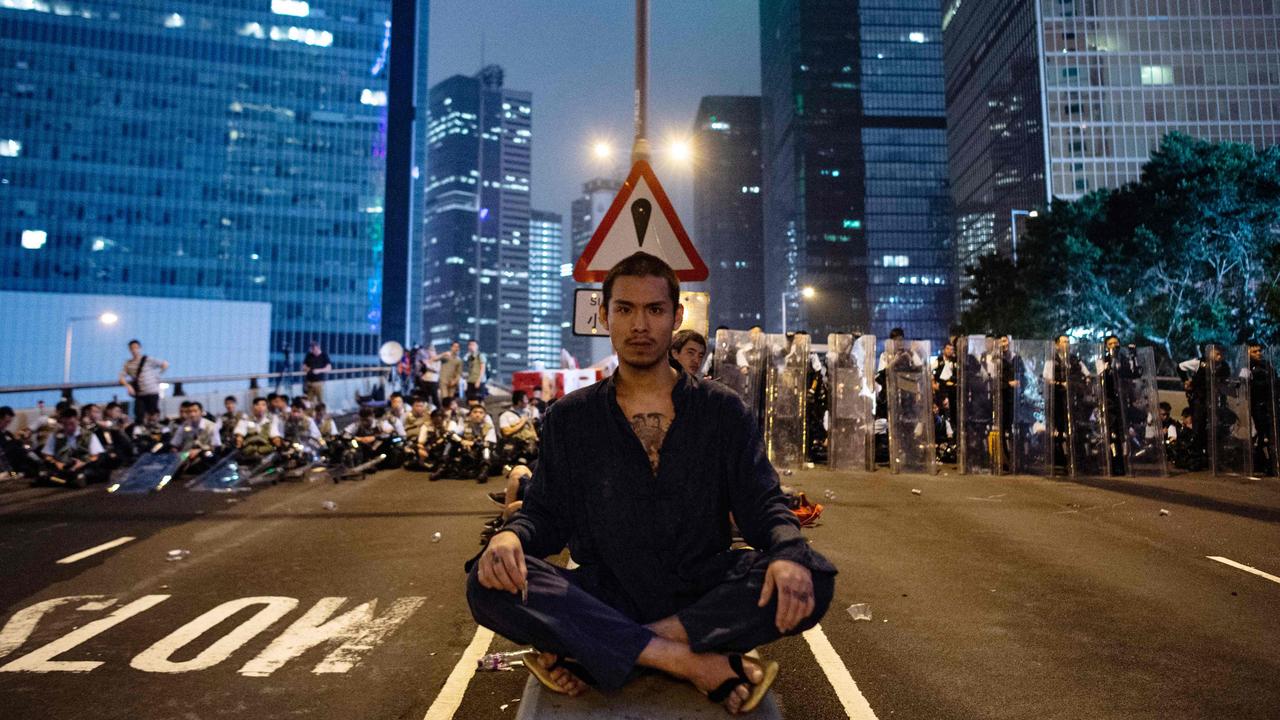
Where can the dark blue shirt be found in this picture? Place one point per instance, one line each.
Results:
(656, 544)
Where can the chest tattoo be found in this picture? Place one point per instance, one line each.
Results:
(651, 428)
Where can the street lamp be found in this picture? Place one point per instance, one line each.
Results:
(106, 318)
(602, 150)
(681, 151)
(1013, 228)
(807, 292)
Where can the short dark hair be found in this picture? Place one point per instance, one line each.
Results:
(1165, 406)
(84, 411)
(517, 396)
(259, 399)
(6, 411)
(395, 395)
(1108, 338)
(321, 407)
(299, 403)
(1186, 412)
(366, 411)
(686, 336)
(897, 333)
(231, 398)
(135, 342)
(68, 413)
(643, 265)
(196, 404)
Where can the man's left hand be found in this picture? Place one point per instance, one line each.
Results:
(794, 585)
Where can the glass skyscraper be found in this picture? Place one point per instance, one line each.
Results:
(546, 251)
(727, 210)
(1056, 99)
(854, 186)
(585, 213)
(476, 274)
(200, 149)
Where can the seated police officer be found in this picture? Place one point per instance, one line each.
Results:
(15, 444)
(518, 439)
(253, 432)
(197, 435)
(72, 455)
(471, 453)
(431, 445)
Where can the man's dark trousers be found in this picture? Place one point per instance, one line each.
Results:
(564, 618)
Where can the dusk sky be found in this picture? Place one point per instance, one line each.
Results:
(576, 57)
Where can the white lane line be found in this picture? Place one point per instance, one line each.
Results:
(1246, 568)
(855, 705)
(96, 549)
(450, 697)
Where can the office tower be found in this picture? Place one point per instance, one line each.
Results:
(476, 274)
(727, 211)
(854, 183)
(586, 211)
(205, 150)
(546, 250)
(1056, 99)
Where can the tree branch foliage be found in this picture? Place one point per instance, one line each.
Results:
(1187, 254)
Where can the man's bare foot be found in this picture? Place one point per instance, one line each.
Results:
(571, 684)
(713, 669)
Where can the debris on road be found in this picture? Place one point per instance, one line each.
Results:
(329, 505)
(808, 466)
(435, 537)
(917, 491)
(1163, 512)
(498, 661)
(860, 611)
(788, 472)
(829, 494)
(177, 555)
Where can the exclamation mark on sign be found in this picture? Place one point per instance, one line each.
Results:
(640, 212)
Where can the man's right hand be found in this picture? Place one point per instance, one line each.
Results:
(502, 563)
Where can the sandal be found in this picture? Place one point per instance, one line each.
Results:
(758, 690)
(543, 674)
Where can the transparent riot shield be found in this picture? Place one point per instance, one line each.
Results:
(1135, 423)
(1229, 429)
(1086, 434)
(786, 364)
(1029, 448)
(851, 372)
(976, 409)
(1265, 404)
(910, 395)
(739, 365)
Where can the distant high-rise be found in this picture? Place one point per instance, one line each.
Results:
(855, 183)
(727, 211)
(201, 150)
(476, 274)
(586, 211)
(546, 251)
(1056, 99)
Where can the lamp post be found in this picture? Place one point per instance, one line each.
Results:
(1013, 228)
(806, 293)
(106, 318)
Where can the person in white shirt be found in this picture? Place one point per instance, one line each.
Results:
(71, 455)
(296, 428)
(428, 363)
(195, 430)
(253, 432)
(372, 437)
(472, 454)
(519, 438)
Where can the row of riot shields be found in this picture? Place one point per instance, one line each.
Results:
(1031, 407)
(1232, 393)
(1022, 406)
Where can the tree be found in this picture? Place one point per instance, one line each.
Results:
(1187, 254)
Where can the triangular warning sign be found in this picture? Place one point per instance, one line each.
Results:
(640, 219)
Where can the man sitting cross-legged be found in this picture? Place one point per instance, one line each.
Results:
(638, 475)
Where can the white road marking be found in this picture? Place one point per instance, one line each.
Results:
(96, 549)
(359, 630)
(1246, 568)
(42, 660)
(855, 705)
(450, 697)
(156, 658)
(23, 622)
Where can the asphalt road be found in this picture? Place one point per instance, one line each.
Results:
(991, 598)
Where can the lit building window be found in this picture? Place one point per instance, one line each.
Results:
(34, 239)
(1157, 75)
(10, 148)
(296, 8)
(376, 98)
(916, 37)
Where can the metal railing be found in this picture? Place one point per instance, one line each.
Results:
(66, 389)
